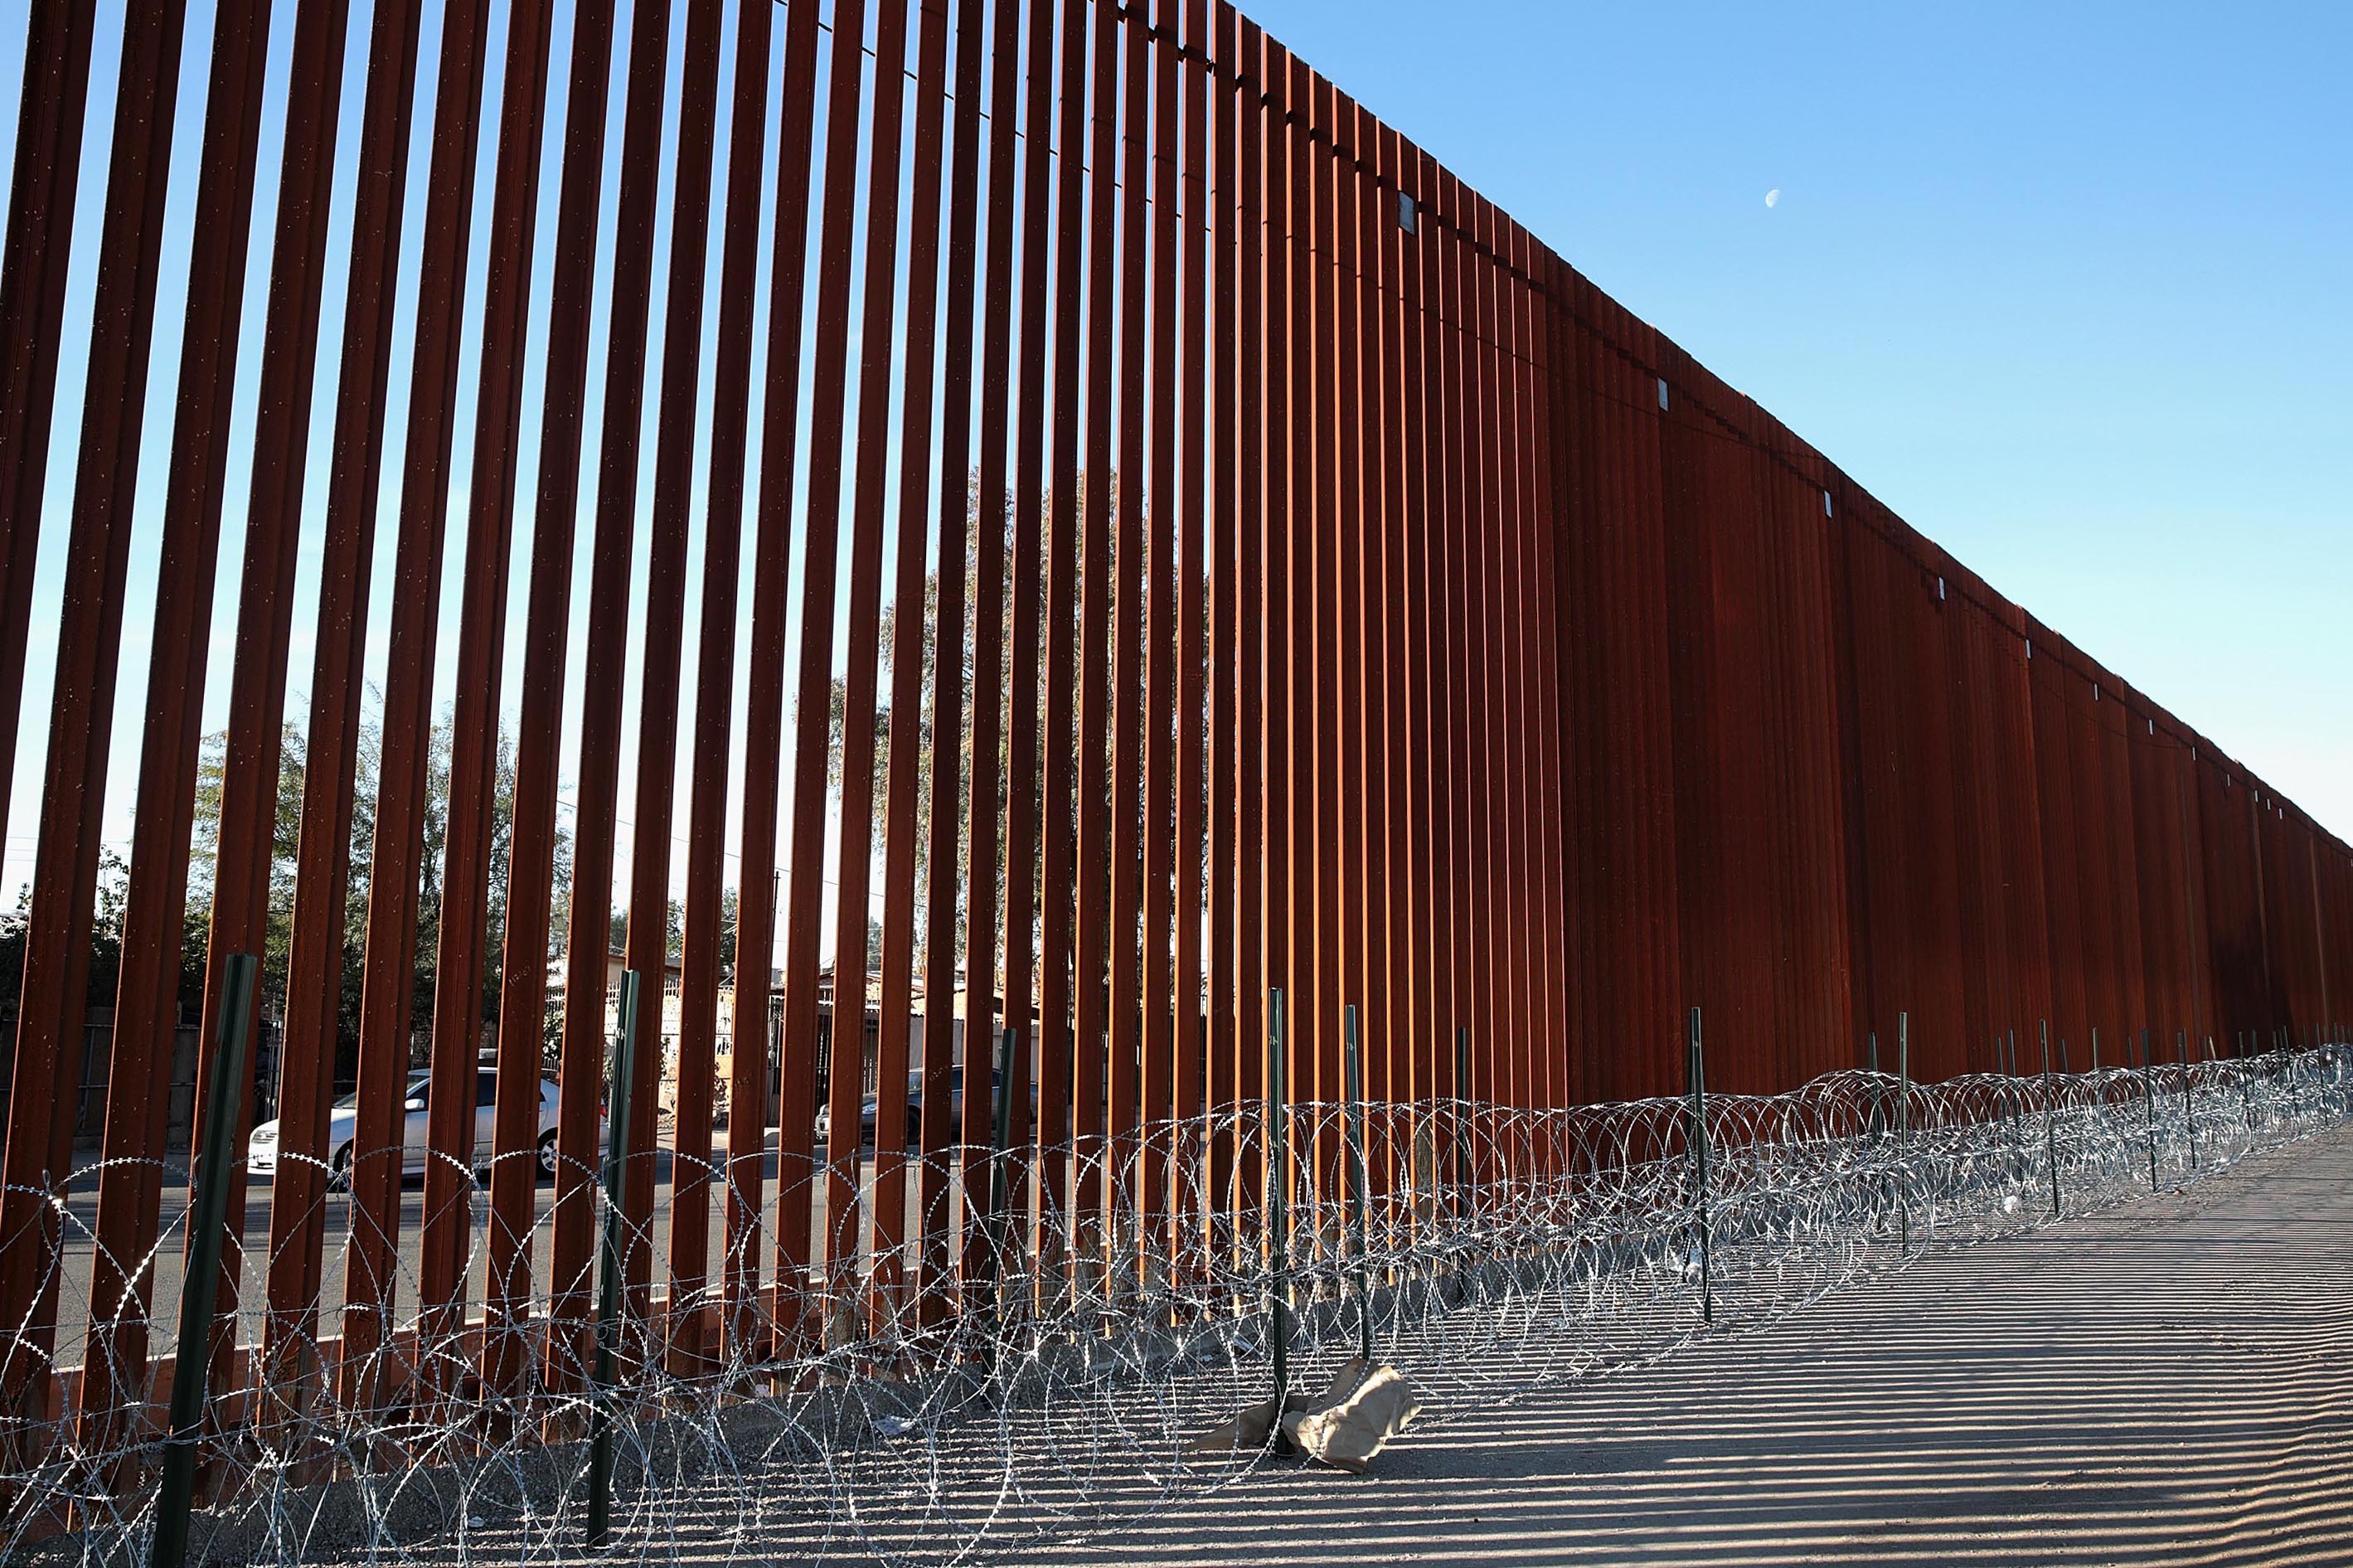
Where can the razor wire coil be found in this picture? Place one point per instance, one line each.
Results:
(958, 1383)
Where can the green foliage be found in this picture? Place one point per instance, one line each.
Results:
(111, 894)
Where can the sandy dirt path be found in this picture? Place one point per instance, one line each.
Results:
(2169, 1382)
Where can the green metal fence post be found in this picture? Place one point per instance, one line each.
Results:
(2296, 1074)
(1462, 1114)
(998, 1225)
(2246, 1088)
(1875, 1121)
(1903, 1123)
(608, 1273)
(1696, 1150)
(2189, 1106)
(2013, 1096)
(1359, 1180)
(208, 1216)
(2049, 1122)
(1278, 1130)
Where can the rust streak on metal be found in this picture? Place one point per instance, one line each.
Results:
(317, 960)
(475, 718)
(697, 1341)
(1119, 832)
(44, 189)
(1158, 823)
(892, 1272)
(531, 841)
(373, 1168)
(654, 799)
(958, 523)
(245, 833)
(756, 921)
(44, 1091)
(581, 1067)
(811, 724)
(147, 1001)
(985, 1008)
(853, 952)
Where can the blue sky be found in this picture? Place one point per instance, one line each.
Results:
(2062, 285)
(2065, 285)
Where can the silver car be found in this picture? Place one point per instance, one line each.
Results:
(261, 1149)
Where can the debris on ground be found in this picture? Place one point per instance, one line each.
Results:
(1344, 1426)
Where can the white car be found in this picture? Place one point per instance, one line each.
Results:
(261, 1149)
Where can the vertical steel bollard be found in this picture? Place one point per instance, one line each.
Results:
(1278, 1192)
(1696, 1139)
(1459, 1156)
(1462, 1114)
(2013, 1095)
(2280, 1096)
(2309, 1072)
(2189, 1106)
(1876, 1129)
(2148, 1098)
(1360, 1180)
(996, 1236)
(2004, 1099)
(175, 1491)
(608, 1274)
(2246, 1090)
(2049, 1122)
(2286, 1070)
(2262, 1050)
(1878, 1124)
(2295, 1073)
(2100, 1087)
(1904, 1122)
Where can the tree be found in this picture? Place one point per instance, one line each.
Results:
(286, 841)
(105, 938)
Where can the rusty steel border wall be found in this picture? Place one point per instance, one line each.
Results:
(1330, 590)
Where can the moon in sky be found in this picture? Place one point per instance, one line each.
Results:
(1773, 196)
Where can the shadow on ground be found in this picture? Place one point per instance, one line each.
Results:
(2171, 1383)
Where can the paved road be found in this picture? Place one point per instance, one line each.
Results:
(2167, 1383)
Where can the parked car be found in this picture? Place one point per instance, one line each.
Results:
(261, 1148)
(867, 1112)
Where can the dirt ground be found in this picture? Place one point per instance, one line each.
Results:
(2169, 1382)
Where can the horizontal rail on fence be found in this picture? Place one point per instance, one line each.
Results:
(1484, 1247)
